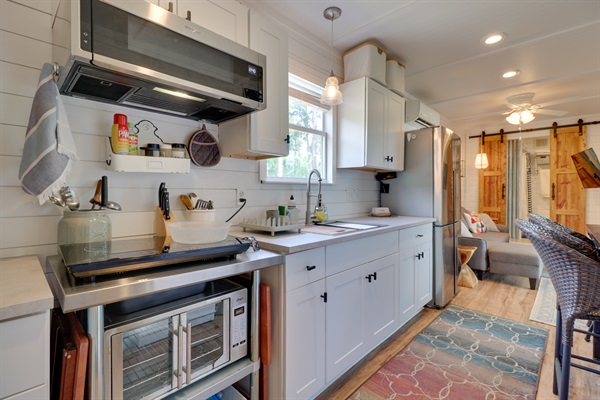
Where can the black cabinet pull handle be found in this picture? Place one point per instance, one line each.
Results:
(553, 191)
(374, 276)
(287, 139)
(189, 16)
(310, 267)
(422, 255)
(419, 235)
(392, 158)
(503, 191)
(418, 256)
(368, 277)
(324, 296)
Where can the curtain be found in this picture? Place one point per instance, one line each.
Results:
(513, 189)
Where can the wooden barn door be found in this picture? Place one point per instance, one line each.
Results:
(492, 180)
(567, 195)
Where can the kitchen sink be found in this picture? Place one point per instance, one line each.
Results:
(350, 225)
(339, 227)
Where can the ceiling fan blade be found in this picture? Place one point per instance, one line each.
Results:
(551, 112)
(560, 101)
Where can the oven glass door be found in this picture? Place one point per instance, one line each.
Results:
(208, 343)
(138, 41)
(147, 363)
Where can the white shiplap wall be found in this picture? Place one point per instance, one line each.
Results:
(28, 228)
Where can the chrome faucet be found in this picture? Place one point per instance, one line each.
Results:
(309, 195)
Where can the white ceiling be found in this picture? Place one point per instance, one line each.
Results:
(555, 45)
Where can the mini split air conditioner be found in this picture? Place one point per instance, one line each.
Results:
(419, 115)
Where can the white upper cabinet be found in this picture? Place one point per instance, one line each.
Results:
(228, 18)
(263, 134)
(371, 127)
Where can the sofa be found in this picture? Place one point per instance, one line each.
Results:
(494, 252)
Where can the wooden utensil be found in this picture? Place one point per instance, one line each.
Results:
(186, 201)
(96, 199)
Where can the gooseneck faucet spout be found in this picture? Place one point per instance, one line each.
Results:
(309, 195)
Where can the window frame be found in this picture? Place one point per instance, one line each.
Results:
(310, 93)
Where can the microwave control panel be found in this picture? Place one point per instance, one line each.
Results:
(239, 324)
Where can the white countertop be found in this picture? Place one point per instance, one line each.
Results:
(287, 242)
(23, 288)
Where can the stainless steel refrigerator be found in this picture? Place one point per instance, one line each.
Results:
(429, 186)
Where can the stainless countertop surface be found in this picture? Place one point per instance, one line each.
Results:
(287, 242)
(78, 296)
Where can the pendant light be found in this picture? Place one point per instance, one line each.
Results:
(481, 159)
(331, 94)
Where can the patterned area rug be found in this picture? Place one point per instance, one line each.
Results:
(463, 354)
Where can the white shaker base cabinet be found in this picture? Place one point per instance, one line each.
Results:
(305, 335)
(333, 304)
(415, 270)
(360, 312)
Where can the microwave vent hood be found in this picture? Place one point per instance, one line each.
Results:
(136, 54)
(89, 82)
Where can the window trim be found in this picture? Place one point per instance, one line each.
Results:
(309, 95)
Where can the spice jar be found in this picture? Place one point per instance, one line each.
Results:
(178, 150)
(152, 150)
(165, 150)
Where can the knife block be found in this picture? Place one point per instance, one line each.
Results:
(162, 225)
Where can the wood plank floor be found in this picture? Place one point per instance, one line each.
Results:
(502, 295)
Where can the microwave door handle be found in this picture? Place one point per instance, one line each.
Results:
(188, 358)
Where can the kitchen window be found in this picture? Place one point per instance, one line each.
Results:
(311, 138)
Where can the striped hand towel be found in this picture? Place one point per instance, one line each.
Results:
(49, 146)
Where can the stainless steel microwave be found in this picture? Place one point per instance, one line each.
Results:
(137, 54)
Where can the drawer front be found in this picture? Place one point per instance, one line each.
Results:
(304, 268)
(342, 256)
(416, 235)
(25, 353)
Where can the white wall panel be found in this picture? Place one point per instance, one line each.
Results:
(23, 50)
(41, 5)
(11, 140)
(38, 22)
(19, 80)
(14, 110)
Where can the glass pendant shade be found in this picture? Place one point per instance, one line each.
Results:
(332, 95)
(481, 161)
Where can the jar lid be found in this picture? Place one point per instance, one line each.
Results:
(120, 119)
(178, 145)
(152, 146)
(165, 146)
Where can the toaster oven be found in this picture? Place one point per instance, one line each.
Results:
(152, 352)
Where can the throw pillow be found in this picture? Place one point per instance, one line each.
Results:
(490, 226)
(464, 231)
(475, 223)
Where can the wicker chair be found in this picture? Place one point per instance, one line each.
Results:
(576, 279)
(538, 219)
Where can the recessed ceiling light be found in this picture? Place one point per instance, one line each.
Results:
(510, 74)
(494, 38)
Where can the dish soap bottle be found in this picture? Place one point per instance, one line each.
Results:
(321, 212)
(294, 213)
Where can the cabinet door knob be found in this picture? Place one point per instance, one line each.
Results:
(310, 267)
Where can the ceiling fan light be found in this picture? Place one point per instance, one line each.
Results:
(481, 161)
(527, 116)
(514, 118)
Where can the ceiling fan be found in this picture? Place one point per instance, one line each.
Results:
(523, 110)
